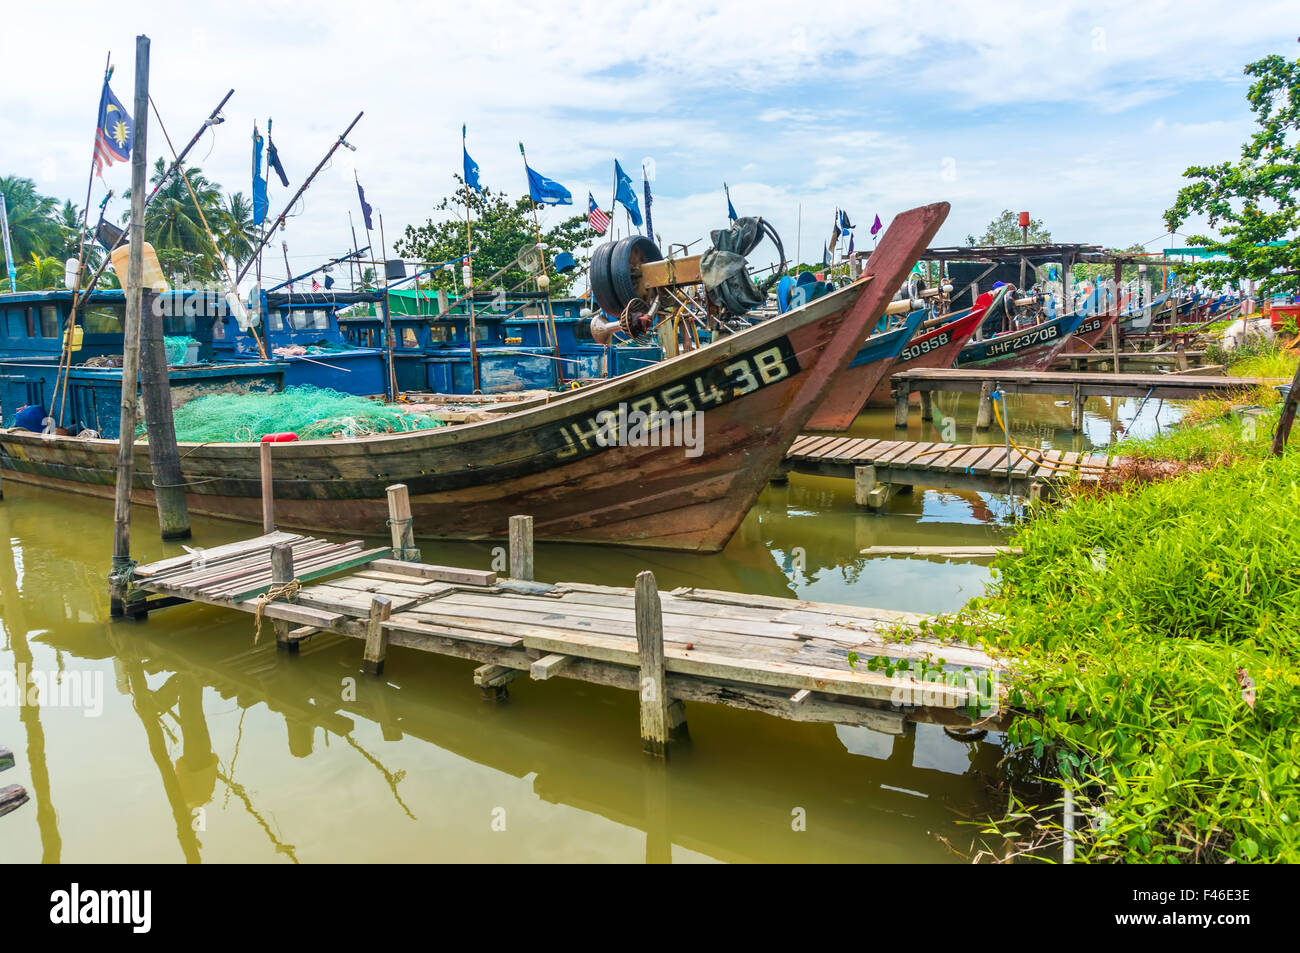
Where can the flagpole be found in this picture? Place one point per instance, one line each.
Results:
(550, 316)
(469, 271)
(355, 251)
(65, 352)
(388, 323)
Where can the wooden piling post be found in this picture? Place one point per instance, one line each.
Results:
(927, 409)
(661, 717)
(984, 417)
(864, 481)
(521, 547)
(164, 458)
(1114, 327)
(372, 662)
(1076, 411)
(900, 409)
(268, 488)
(282, 573)
(401, 524)
(1181, 350)
(119, 577)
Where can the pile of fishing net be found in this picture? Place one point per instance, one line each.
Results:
(177, 348)
(312, 413)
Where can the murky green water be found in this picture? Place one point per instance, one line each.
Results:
(200, 745)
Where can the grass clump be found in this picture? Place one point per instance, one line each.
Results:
(1155, 634)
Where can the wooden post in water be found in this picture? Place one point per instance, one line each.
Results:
(984, 417)
(1114, 326)
(652, 683)
(372, 662)
(1076, 411)
(268, 487)
(864, 481)
(521, 547)
(164, 459)
(401, 524)
(119, 577)
(927, 405)
(282, 573)
(900, 408)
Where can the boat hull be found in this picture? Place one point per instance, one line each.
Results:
(938, 348)
(1027, 349)
(754, 391)
(849, 391)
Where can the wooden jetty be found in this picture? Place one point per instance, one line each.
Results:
(1079, 385)
(881, 468)
(799, 660)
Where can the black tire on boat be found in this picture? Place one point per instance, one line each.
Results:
(602, 287)
(628, 255)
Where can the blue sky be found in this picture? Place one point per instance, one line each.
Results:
(1084, 114)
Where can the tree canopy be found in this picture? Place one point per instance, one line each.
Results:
(1005, 230)
(501, 226)
(36, 224)
(1252, 202)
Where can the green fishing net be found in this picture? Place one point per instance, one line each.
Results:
(312, 413)
(177, 348)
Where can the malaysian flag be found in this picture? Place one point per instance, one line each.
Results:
(113, 137)
(598, 220)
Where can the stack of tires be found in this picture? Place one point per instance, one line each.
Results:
(613, 271)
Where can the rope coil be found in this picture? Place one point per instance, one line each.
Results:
(288, 590)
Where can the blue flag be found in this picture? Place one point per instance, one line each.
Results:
(471, 167)
(731, 209)
(259, 183)
(546, 191)
(845, 224)
(625, 195)
(366, 210)
(115, 133)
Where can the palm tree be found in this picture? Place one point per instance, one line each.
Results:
(172, 222)
(33, 226)
(238, 233)
(38, 274)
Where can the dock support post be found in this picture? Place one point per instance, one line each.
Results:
(493, 681)
(268, 488)
(864, 481)
(900, 409)
(661, 718)
(401, 524)
(984, 416)
(521, 547)
(282, 573)
(1181, 350)
(1076, 411)
(164, 459)
(927, 410)
(372, 662)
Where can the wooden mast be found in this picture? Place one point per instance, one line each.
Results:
(120, 575)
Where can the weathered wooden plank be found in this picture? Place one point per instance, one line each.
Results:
(376, 651)
(215, 554)
(547, 666)
(455, 628)
(467, 577)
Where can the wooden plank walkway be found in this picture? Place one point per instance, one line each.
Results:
(1076, 383)
(873, 463)
(799, 660)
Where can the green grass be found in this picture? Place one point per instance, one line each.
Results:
(1131, 618)
(1212, 433)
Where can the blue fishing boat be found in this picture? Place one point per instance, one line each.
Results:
(86, 394)
(521, 344)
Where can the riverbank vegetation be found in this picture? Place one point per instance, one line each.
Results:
(1154, 633)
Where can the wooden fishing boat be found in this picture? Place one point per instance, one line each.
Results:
(843, 401)
(936, 347)
(1026, 348)
(750, 394)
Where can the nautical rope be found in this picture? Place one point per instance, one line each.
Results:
(288, 590)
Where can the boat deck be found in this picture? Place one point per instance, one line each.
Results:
(803, 661)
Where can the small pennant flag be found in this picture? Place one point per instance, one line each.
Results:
(273, 159)
(876, 226)
(597, 219)
(115, 132)
(625, 194)
(542, 190)
(649, 226)
(731, 209)
(366, 210)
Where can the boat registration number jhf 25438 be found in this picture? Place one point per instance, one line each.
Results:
(712, 387)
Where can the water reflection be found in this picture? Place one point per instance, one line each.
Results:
(211, 748)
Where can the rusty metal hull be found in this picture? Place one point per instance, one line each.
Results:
(754, 391)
